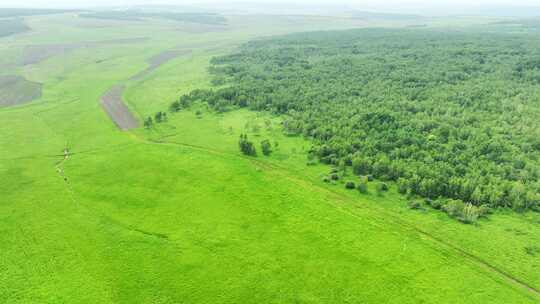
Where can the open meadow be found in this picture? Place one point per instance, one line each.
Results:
(96, 208)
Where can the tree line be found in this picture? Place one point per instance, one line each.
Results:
(452, 115)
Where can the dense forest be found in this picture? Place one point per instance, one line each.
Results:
(443, 114)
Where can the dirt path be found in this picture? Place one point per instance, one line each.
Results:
(113, 104)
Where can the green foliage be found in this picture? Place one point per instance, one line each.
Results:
(350, 185)
(403, 185)
(381, 187)
(446, 114)
(246, 146)
(160, 117)
(464, 212)
(176, 106)
(266, 147)
(148, 122)
(362, 185)
(414, 204)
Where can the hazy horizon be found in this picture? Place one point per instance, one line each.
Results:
(424, 7)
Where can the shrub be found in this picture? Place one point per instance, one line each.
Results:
(469, 214)
(435, 203)
(326, 179)
(370, 178)
(334, 176)
(266, 147)
(246, 146)
(466, 213)
(415, 205)
(403, 185)
(484, 211)
(454, 208)
(350, 185)
(362, 185)
(382, 187)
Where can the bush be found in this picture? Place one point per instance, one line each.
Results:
(311, 163)
(266, 147)
(484, 211)
(454, 208)
(382, 187)
(469, 214)
(326, 179)
(465, 213)
(403, 185)
(370, 178)
(415, 205)
(350, 185)
(246, 146)
(362, 187)
(435, 203)
(334, 176)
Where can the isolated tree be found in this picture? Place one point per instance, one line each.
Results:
(246, 147)
(148, 122)
(158, 117)
(266, 147)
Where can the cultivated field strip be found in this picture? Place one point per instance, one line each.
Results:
(158, 60)
(113, 104)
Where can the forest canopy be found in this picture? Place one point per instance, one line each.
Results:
(453, 114)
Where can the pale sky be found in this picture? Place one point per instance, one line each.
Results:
(405, 6)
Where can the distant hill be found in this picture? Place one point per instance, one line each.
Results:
(21, 12)
(12, 26)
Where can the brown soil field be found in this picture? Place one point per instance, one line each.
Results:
(113, 104)
(158, 60)
(15, 90)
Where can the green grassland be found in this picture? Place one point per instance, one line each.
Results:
(176, 214)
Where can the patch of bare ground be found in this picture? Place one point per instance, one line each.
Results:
(158, 60)
(113, 104)
(15, 90)
(33, 54)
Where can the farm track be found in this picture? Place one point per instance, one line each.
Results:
(296, 178)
